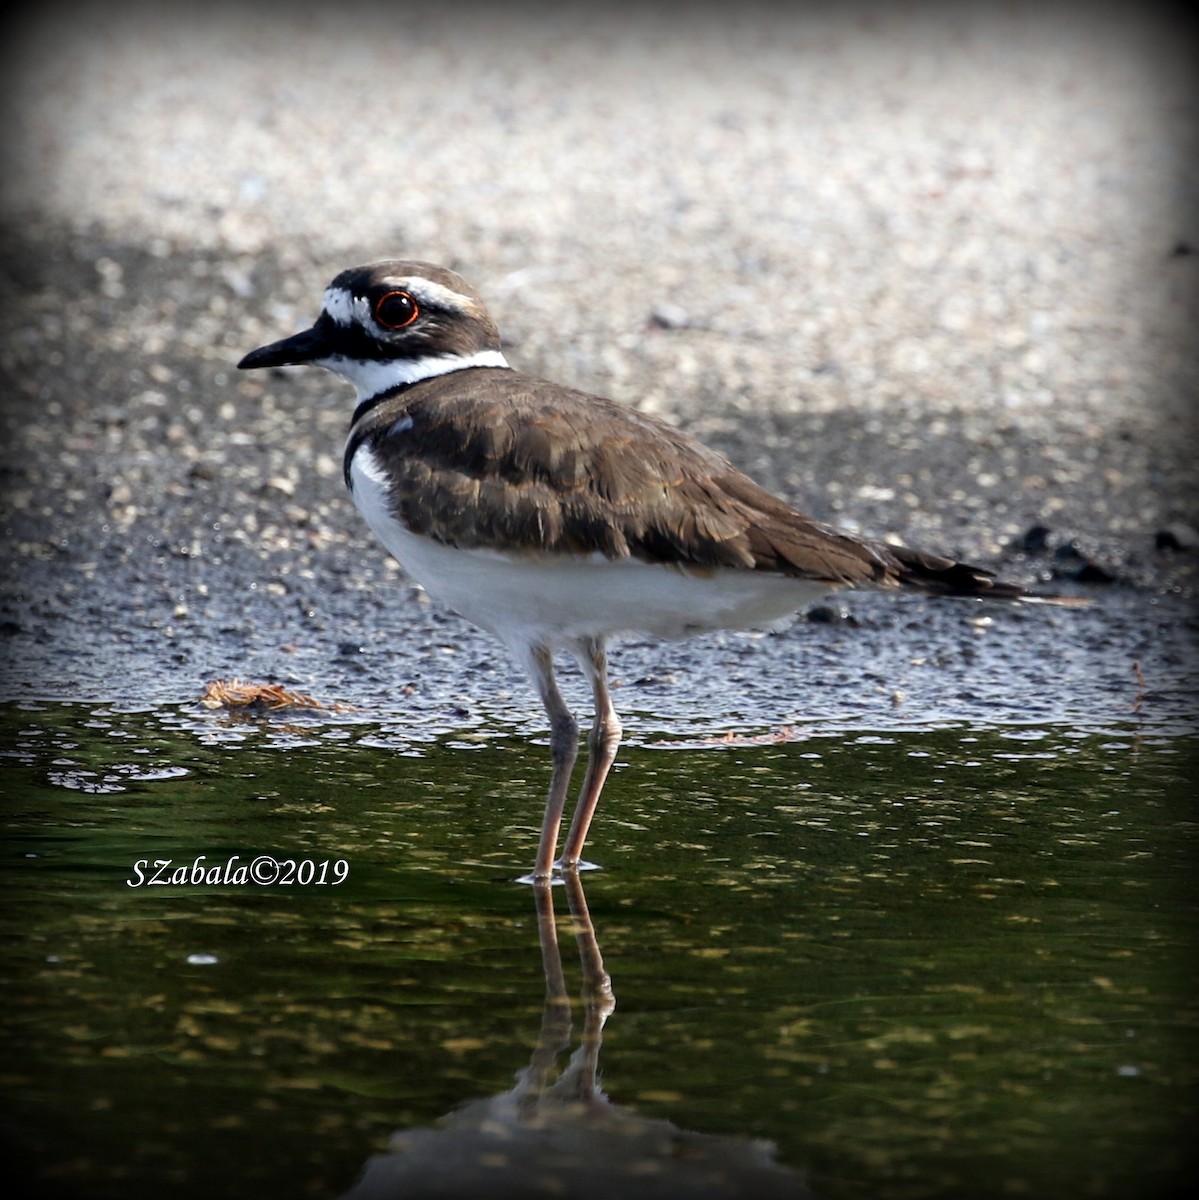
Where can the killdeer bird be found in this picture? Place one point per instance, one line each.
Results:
(555, 519)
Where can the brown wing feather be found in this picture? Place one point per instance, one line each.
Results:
(559, 471)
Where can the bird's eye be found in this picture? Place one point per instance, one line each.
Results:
(396, 310)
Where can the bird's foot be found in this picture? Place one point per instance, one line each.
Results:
(581, 865)
(559, 872)
(541, 880)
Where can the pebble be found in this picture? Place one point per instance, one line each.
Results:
(1177, 536)
(827, 614)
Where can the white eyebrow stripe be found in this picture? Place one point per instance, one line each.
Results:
(435, 294)
(346, 309)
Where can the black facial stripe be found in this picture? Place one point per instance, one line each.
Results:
(350, 341)
(431, 335)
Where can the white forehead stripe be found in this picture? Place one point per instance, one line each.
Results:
(344, 307)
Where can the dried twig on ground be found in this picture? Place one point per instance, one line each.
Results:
(272, 697)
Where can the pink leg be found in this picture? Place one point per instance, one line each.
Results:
(564, 748)
(602, 744)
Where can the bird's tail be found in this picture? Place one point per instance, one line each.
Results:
(940, 576)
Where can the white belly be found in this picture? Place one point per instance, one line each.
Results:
(551, 599)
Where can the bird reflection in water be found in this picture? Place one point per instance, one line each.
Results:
(561, 1136)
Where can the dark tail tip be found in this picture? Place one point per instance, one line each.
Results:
(941, 576)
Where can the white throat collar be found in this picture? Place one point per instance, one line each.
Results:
(372, 377)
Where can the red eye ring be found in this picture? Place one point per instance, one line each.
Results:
(396, 310)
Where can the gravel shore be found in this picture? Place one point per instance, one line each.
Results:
(928, 275)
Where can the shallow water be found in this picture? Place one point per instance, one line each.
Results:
(904, 963)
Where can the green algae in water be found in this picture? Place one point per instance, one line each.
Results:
(919, 964)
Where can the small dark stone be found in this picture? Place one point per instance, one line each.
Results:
(1092, 572)
(1034, 540)
(348, 649)
(654, 680)
(1072, 562)
(1177, 536)
(825, 614)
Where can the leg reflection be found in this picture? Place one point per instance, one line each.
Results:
(559, 1134)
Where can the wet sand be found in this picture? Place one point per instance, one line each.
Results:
(927, 276)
